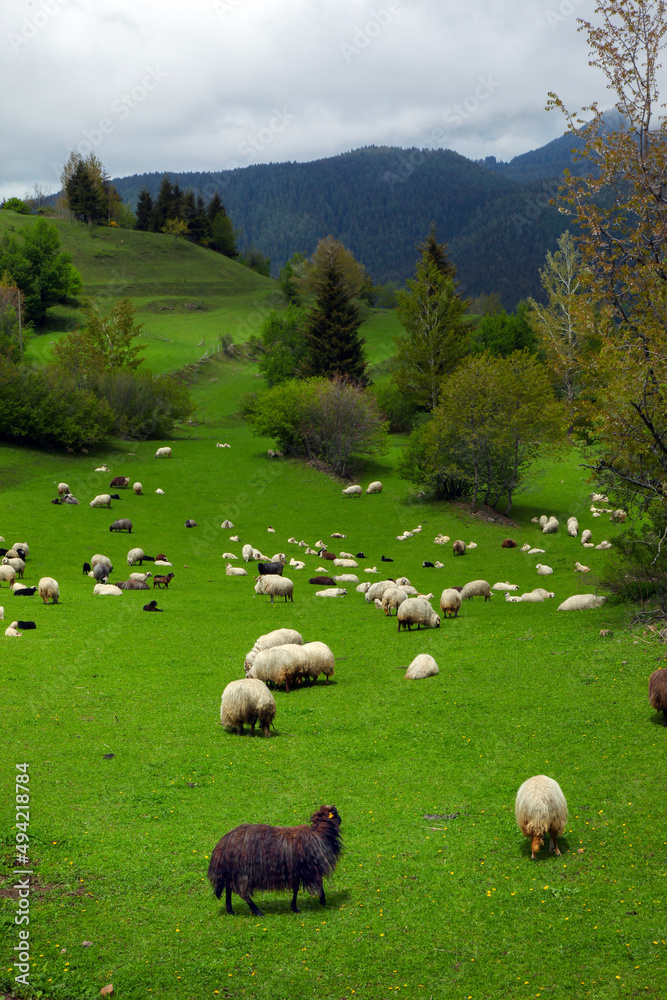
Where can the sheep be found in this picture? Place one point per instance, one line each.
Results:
(152, 606)
(450, 603)
(319, 660)
(371, 569)
(137, 488)
(581, 602)
(102, 468)
(543, 570)
(551, 526)
(533, 597)
(471, 545)
(536, 552)
(393, 597)
(375, 487)
(459, 547)
(100, 572)
(422, 666)
(275, 586)
(476, 588)
(546, 594)
(346, 563)
(229, 555)
(586, 536)
(508, 543)
(280, 665)
(322, 581)
(190, 523)
(323, 554)
(599, 498)
(227, 525)
(271, 530)
(163, 453)
(417, 610)
(279, 637)
(103, 500)
(161, 494)
(543, 521)
(526, 547)
(346, 578)
(248, 700)
(48, 589)
(360, 555)
(604, 545)
(427, 565)
(512, 600)
(618, 516)
(579, 568)
(246, 552)
(540, 807)
(133, 585)
(119, 482)
(505, 586)
(7, 573)
(141, 577)
(572, 527)
(378, 589)
(24, 591)
(162, 581)
(348, 555)
(352, 491)
(441, 539)
(337, 534)
(17, 546)
(136, 556)
(25, 625)
(86, 568)
(364, 587)
(11, 631)
(378, 604)
(657, 692)
(107, 590)
(63, 488)
(256, 856)
(17, 565)
(159, 562)
(331, 592)
(121, 524)
(235, 570)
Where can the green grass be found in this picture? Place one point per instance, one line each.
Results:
(417, 907)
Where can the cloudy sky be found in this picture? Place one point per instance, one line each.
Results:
(158, 85)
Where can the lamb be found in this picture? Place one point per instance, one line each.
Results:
(416, 610)
(352, 491)
(364, 587)
(543, 521)
(476, 588)
(25, 625)
(7, 573)
(248, 700)
(137, 488)
(540, 807)
(551, 526)
(509, 543)
(235, 570)
(141, 577)
(471, 545)
(371, 569)
(279, 637)
(190, 523)
(256, 856)
(297, 564)
(136, 556)
(121, 524)
(581, 602)
(162, 581)
(348, 555)
(422, 666)
(441, 539)
(618, 516)
(505, 586)
(229, 555)
(393, 597)
(275, 586)
(227, 525)
(427, 565)
(572, 527)
(543, 570)
(102, 468)
(17, 565)
(402, 581)
(271, 568)
(586, 536)
(323, 554)
(163, 453)
(11, 631)
(161, 494)
(107, 590)
(133, 585)
(604, 545)
(512, 600)
(459, 547)
(450, 603)
(579, 568)
(103, 500)
(322, 581)
(49, 590)
(119, 482)
(657, 692)
(337, 534)
(152, 606)
(375, 487)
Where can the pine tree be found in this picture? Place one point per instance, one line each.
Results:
(163, 205)
(214, 206)
(144, 210)
(335, 346)
(436, 252)
(223, 237)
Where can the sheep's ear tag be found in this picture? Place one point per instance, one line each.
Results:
(331, 816)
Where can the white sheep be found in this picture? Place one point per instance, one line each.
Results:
(304, 545)
(275, 586)
(543, 569)
(345, 555)
(137, 488)
(572, 527)
(371, 569)
(459, 547)
(140, 577)
(107, 590)
(331, 592)
(160, 492)
(402, 581)
(471, 545)
(416, 611)
(11, 631)
(505, 586)
(543, 521)
(441, 539)
(352, 491)
(450, 603)
(8, 574)
(580, 568)
(581, 602)
(103, 500)
(247, 701)
(63, 488)
(536, 552)
(533, 597)
(17, 565)
(337, 534)
(541, 808)
(375, 487)
(24, 546)
(2, 613)
(378, 589)
(349, 563)
(279, 637)
(546, 594)
(235, 570)
(422, 666)
(318, 660)
(346, 578)
(229, 555)
(246, 552)
(163, 453)
(604, 545)
(512, 599)
(162, 562)
(551, 526)
(98, 559)
(586, 536)
(278, 557)
(135, 556)
(227, 525)
(599, 498)
(364, 587)
(393, 597)
(476, 588)
(526, 547)
(102, 468)
(438, 565)
(48, 589)
(271, 530)
(618, 516)
(288, 664)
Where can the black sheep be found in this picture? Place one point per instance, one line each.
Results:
(428, 565)
(86, 569)
(25, 625)
(256, 856)
(327, 581)
(152, 606)
(190, 523)
(270, 568)
(26, 592)
(386, 559)
(360, 555)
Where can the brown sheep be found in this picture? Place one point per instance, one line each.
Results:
(657, 692)
(159, 581)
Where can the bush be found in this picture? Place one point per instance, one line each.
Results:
(143, 405)
(398, 409)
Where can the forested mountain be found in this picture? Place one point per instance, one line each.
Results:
(380, 201)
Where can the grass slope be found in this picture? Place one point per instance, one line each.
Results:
(435, 894)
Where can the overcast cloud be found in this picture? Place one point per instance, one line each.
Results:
(159, 85)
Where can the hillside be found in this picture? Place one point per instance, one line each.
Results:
(380, 202)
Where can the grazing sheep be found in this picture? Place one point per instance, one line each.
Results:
(279, 637)
(162, 581)
(86, 569)
(543, 570)
(586, 536)
(581, 602)
(505, 586)
(136, 556)
(108, 590)
(24, 591)
(322, 581)
(280, 665)
(459, 547)
(274, 568)
(17, 565)
(11, 631)
(122, 524)
(375, 487)
(119, 482)
(132, 585)
(246, 552)
(551, 527)
(416, 611)
(476, 588)
(235, 570)
(163, 453)
(393, 597)
(319, 660)
(248, 700)
(352, 491)
(141, 577)
(509, 543)
(572, 527)
(7, 573)
(190, 523)
(579, 568)
(227, 525)
(100, 572)
(152, 606)
(18, 546)
(160, 493)
(103, 500)
(275, 586)
(256, 856)
(137, 488)
(657, 692)
(540, 807)
(422, 666)
(543, 521)
(378, 589)
(49, 590)
(63, 488)
(450, 603)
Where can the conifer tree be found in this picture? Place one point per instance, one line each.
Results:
(144, 210)
(335, 346)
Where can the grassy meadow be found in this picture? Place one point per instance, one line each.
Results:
(132, 780)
